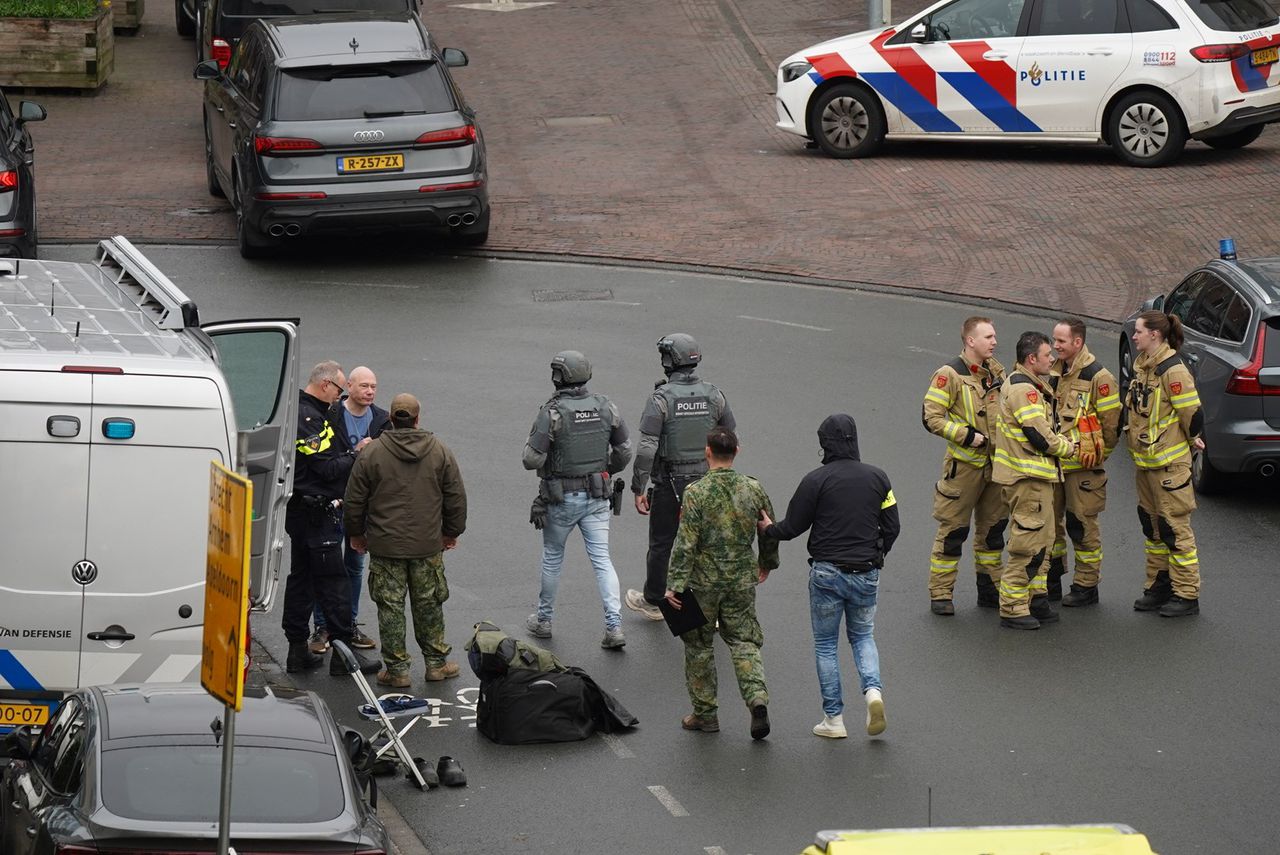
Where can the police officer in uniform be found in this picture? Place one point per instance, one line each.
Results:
(673, 435)
(1026, 463)
(577, 439)
(960, 407)
(1165, 422)
(313, 520)
(1088, 399)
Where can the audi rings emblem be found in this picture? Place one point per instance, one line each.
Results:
(84, 572)
(369, 136)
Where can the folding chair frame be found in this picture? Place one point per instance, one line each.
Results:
(381, 716)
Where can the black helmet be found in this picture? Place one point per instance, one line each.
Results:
(569, 368)
(677, 351)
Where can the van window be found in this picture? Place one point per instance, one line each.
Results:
(404, 88)
(252, 362)
(274, 8)
(1235, 16)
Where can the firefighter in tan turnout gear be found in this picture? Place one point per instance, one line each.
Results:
(1088, 409)
(1165, 423)
(960, 407)
(1026, 462)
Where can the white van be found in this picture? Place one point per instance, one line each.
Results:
(113, 401)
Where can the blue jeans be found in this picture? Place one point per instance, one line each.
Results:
(833, 594)
(354, 562)
(592, 516)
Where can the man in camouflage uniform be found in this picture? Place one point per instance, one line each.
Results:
(405, 505)
(713, 556)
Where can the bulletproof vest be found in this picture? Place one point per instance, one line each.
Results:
(690, 416)
(582, 443)
(491, 653)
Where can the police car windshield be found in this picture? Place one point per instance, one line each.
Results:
(1236, 16)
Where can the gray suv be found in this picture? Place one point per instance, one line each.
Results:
(342, 124)
(1230, 311)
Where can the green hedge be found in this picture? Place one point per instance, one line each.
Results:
(49, 8)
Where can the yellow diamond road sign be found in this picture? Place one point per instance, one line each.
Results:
(226, 589)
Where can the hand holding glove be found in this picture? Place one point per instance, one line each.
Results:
(538, 513)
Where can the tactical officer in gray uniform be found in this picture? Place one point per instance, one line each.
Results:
(577, 439)
(673, 434)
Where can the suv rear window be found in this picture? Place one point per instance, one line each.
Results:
(1235, 16)
(359, 92)
(279, 8)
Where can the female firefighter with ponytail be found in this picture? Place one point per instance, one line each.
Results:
(1164, 423)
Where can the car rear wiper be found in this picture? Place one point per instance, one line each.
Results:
(382, 114)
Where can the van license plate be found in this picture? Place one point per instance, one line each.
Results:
(12, 715)
(371, 163)
(1266, 56)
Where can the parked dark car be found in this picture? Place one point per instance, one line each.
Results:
(134, 768)
(19, 235)
(220, 23)
(343, 124)
(1230, 311)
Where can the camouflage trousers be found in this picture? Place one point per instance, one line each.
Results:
(736, 612)
(423, 580)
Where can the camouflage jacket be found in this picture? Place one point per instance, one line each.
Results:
(713, 548)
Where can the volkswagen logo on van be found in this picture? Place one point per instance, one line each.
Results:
(369, 136)
(84, 572)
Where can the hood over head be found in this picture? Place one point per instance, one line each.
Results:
(408, 444)
(838, 436)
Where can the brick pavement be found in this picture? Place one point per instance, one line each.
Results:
(684, 166)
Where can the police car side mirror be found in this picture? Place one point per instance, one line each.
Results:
(454, 58)
(19, 743)
(29, 111)
(920, 32)
(1156, 303)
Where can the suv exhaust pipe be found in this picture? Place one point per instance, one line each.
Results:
(293, 229)
(469, 218)
(454, 220)
(276, 230)
(1267, 469)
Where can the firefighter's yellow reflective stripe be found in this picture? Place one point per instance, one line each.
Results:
(1154, 460)
(1027, 412)
(1167, 422)
(1089, 556)
(1039, 584)
(1059, 549)
(317, 443)
(1007, 589)
(942, 396)
(955, 431)
(1155, 547)
(1186, 399)
(986, 558)
(1109, 403)
(889, 501)
(977, 457)
(1040, 467)
(1184, 559)
(943, 565)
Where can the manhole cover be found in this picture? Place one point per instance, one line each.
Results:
(567, 296)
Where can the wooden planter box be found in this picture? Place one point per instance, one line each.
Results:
(57, 53)
(128, 15)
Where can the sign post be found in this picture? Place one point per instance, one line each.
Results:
(226, 616)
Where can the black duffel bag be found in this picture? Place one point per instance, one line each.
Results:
(524, 706)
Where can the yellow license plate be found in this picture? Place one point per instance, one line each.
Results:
(371, 163)
(1266, 56)
(12, 715)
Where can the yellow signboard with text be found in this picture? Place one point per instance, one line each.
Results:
(226, 588)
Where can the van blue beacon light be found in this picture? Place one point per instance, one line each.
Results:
(1227, 249)
(118, 428)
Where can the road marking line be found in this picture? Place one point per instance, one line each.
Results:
(616, 745)
(784, 323)
(668, 801)
(360, 284)
(715, 850)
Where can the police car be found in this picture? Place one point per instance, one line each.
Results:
(1142, 75)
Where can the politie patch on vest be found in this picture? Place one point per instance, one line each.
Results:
(585, 417)
(940, 381)
(1175, 388)
(1033, 396)
(692, 407)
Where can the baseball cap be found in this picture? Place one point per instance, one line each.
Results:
(405, 406)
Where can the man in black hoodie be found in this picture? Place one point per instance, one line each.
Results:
(852, 518)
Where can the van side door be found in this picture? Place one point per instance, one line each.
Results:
(260, 360)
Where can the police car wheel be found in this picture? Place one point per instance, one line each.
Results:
(1146, 129)
(1239, 139)
(1205, 477)
(846, 121)
(210, 175)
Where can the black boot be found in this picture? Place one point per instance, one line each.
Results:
(1178, 607)
(1057, 567)
(1155, 596)
(1041, 611)
(988, 596)
(301, 658)
(1079, 595)
(1023, 622)
(338, 668)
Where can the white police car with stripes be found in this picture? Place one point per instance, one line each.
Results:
(1142, 75)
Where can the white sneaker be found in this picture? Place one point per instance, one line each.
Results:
(636, 601)
(831, 726)
(875, 713)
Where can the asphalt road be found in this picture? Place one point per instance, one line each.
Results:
(1168, 726)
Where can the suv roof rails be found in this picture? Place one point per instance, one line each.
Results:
(140, 282)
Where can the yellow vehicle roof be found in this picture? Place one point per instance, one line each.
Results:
(1107, 839)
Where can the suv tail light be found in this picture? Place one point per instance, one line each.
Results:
(8, 180)
(280, 146)
(1219, 53)
(464, 135)
(221, 51)
(1244, 381)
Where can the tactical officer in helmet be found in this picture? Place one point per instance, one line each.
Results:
(673, 435)
(577, 439)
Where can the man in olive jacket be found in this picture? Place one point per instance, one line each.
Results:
(405, 504)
